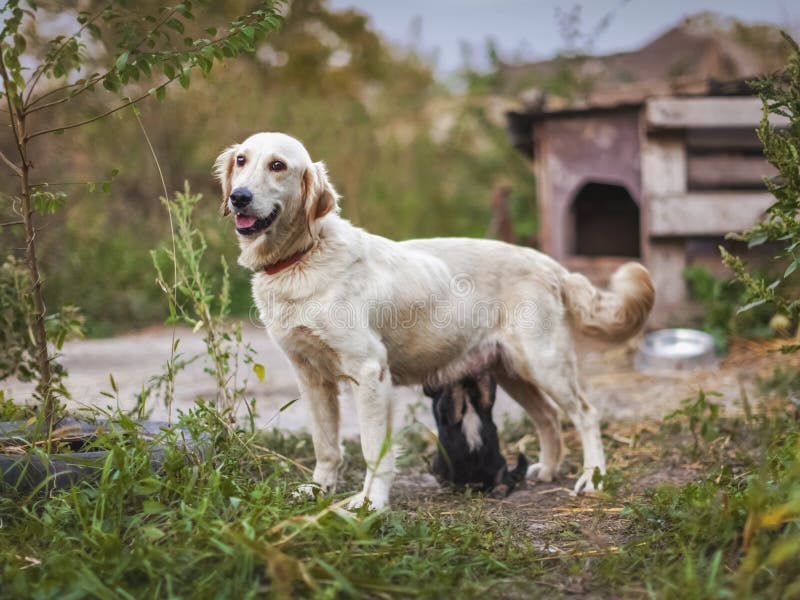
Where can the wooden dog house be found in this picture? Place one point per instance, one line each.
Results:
(660, 178)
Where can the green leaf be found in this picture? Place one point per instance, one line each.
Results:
(144, 67)
(791, 268)
(750, 305)
(151, 532)
(161, 93)
(259, 370)
(151, 507)
(184, 79)
(184, 10)
(176, 25)
(288, 404)
(111, 83)
(147, 486)
(597, 478)
(47, 203)
(122, 60)
(757, 240)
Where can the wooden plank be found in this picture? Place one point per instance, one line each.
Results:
(666, 264)
(719, 111)
(706, 213)
(544, 190)
(724, 140)
(663, 165)
(727, 171)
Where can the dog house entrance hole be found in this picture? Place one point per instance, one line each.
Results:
(606, 221)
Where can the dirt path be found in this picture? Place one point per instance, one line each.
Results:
(620, 393)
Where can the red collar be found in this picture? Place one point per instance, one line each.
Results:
(285, 263)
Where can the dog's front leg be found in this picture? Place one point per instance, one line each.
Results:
(373, 395)
(323, 403)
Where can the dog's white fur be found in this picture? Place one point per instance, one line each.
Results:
(323, 311)
(471, 426)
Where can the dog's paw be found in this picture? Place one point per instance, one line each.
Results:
(307, 491)
(541, 472)
(372, 502)
(326, 476)
(501, 491)
(586, 482)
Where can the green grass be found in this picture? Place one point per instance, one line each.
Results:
(227, 525)
(732, 532)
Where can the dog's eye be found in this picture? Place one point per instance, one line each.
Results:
(277, 165)
(240, 160)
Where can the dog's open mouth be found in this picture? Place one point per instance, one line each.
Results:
(247, 225)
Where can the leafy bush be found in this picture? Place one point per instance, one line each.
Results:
(114, 47)
(780, 95)
(17, 349)
(194, 301)
(17, 343)
(720, 300)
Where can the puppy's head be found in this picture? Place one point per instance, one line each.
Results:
(482, 390)
(449, 403)
(276, 194)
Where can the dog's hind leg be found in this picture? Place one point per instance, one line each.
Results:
(557, 376)
(545, 418)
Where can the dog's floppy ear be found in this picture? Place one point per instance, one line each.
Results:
(487, 387)
(458, 403)
(223, 170)
(319, 196)
(431, 391)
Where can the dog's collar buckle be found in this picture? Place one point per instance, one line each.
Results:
(287, 262)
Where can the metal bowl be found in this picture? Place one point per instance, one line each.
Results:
(675, 350)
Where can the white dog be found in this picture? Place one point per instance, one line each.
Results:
(344, 304)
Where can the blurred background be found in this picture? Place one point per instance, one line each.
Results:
(411, 105)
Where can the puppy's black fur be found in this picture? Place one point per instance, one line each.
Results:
(460, 409)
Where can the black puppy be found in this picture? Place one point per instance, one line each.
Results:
(469, 451)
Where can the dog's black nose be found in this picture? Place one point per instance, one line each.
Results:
(241, 197)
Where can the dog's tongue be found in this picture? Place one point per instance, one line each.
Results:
(243, 222)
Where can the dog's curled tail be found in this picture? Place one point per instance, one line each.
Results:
(613, 315)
